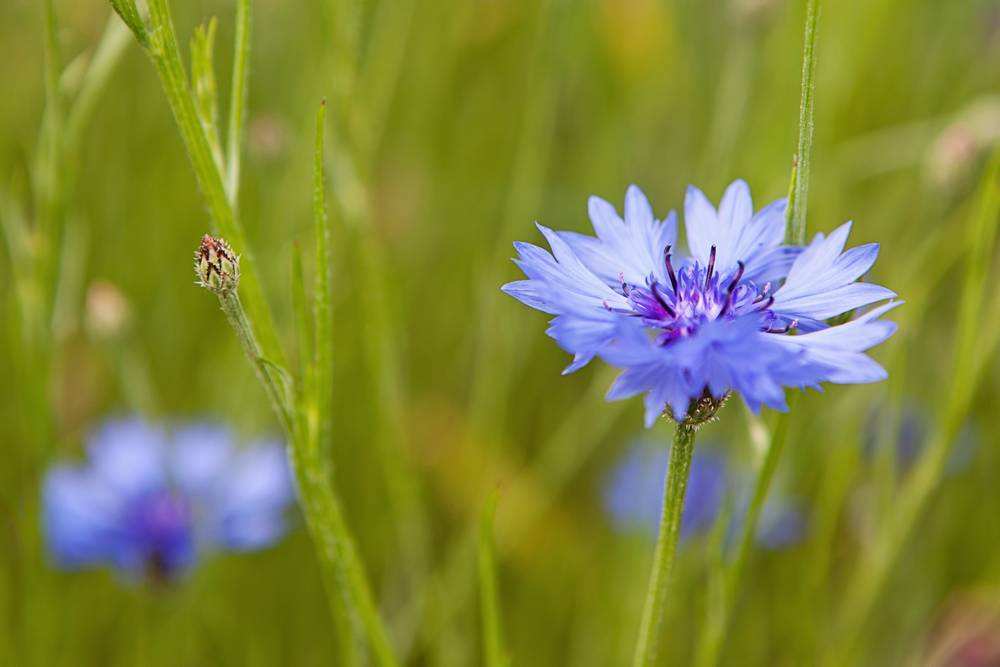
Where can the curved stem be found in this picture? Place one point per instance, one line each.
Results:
(666, 546)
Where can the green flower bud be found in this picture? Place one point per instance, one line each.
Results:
(217, 266)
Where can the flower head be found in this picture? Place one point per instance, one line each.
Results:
(147, 503)
(689, 329)
(216, 265)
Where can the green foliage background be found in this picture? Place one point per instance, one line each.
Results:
(472, 120)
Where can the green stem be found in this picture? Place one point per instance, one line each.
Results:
(494, 654)
(343, 572)
(666, 546)
(274, 384)
(714, 629)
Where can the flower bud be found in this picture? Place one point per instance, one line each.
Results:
(217, 266)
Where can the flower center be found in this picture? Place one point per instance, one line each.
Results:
(697, 295)
(161, 524)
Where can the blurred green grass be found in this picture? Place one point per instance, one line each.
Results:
(505, 113)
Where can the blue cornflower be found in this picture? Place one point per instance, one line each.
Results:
(687, 328)
(633, 495)
(912, 437)
(148, 502)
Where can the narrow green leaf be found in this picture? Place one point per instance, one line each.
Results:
(238, 99)
(494, 654)
(95, 79)
(323, 296)
(130, 16)
(303, 327)
(204, 87)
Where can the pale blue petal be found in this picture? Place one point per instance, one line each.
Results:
(533, 293)
(832, 302)
(200, 455)
(700, 223)
(79, 514)
(128, 455)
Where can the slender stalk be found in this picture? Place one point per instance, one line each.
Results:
(494, 654)
(799, 201)
(714, 629)
(322, 291)
(342, 569)
(274, 386)
(316, 352)
(666, 546)
(106, 56)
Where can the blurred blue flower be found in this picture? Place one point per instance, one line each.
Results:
(911, 438)
(633, 496)
(148, 503)
(713, 322)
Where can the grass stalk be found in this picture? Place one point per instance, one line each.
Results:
(714, 629)
(494, 653)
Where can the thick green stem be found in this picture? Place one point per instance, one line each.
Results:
(666, 546)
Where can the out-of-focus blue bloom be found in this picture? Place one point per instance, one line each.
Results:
(911, 439)
(148, 502)
(633, 495)
(782, 523)
(712, 322)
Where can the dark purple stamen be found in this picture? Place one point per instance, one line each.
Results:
(764, 306)
(670, 269)
(731, 290)
(620, 311)
(711, 267)
(763, 292)
(625, 288)
(783, 330)
(655, 288)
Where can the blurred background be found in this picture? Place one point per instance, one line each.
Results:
(457, 124)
